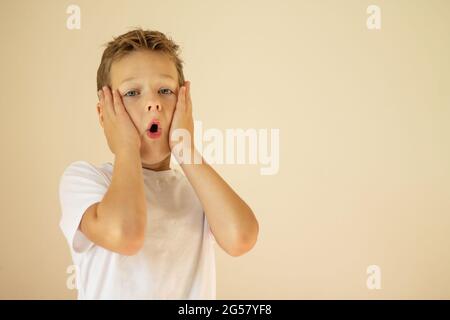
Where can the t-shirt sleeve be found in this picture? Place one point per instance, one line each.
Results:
(81, 185)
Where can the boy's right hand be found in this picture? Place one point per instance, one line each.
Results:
(120, 131)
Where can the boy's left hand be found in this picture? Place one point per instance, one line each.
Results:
(182, 115)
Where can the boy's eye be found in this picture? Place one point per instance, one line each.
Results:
(131, 93)
(167, 89)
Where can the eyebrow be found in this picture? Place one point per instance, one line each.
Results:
(168, 76)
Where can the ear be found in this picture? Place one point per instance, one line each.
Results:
(100, 114)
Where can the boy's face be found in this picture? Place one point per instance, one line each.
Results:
(148, 84)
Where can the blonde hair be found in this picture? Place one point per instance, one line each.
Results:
(135, 40)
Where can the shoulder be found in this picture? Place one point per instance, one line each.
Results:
(79, 165)
(85, 169)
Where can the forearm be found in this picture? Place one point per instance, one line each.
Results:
(124, 203)
(231, 220)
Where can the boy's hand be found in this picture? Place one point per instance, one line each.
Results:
(182, 115)
(120, 131)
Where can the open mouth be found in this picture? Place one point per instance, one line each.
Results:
(154, 128)
(154, 131)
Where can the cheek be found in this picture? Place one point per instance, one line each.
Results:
(132, 106)
(169, 108)
(127, 104)
(170, 114)
(134, 113)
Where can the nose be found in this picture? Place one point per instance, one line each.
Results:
(153, 104)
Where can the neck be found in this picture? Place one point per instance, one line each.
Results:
(159, 166)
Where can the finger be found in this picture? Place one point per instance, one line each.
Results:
(109, 105)
(118, 105)
(188, 96)
(182, 99)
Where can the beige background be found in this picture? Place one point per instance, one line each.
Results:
(364, 137)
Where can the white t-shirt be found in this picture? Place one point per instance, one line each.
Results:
(177, 260)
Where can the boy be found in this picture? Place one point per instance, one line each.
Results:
(138, 229)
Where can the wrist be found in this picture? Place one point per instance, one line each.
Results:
(128, 152)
